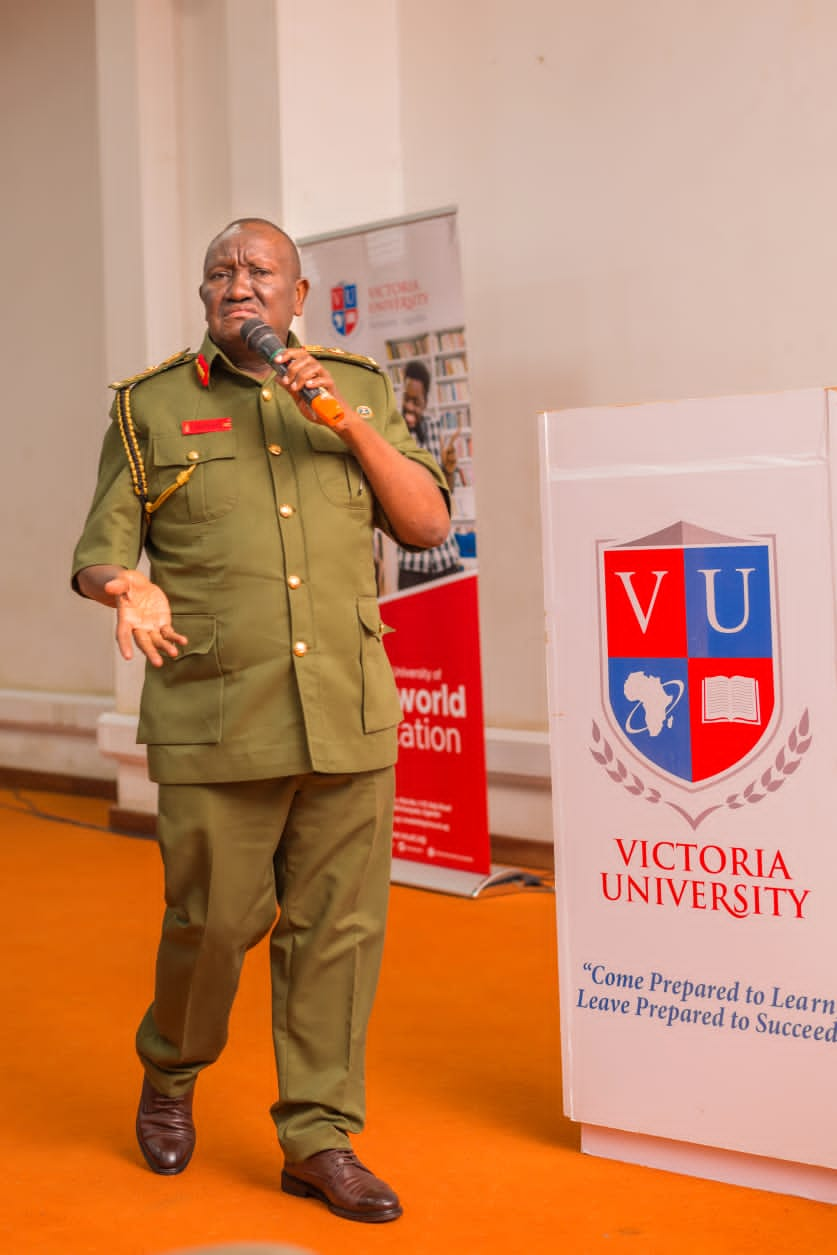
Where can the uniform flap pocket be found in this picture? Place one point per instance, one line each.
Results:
(199, 630)
(369, 613)
(182, 450)
(182, 701)
(381, 705)
(324, 440)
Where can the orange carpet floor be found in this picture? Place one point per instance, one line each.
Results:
(464, 1085)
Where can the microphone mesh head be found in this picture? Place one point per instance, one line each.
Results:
(261, 338)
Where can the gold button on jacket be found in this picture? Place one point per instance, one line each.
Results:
(241, 702)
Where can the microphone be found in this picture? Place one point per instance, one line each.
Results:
(262, 339)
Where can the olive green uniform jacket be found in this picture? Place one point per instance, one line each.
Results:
(265, 553)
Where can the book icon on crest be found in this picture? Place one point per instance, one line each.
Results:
(730, 698)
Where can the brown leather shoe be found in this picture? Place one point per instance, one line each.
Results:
(339, 1179)
(165, 1131)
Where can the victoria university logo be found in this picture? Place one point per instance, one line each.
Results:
(344, 309)
(691, 662)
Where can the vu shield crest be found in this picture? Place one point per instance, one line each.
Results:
(344, 309)
(689, 648)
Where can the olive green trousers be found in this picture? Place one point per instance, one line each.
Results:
(318, 847)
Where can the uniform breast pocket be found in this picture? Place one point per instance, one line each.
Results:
(182, 701)
(211, 489)
(337, 471)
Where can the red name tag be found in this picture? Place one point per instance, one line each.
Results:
(197, 425)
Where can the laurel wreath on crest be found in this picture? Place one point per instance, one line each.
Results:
(784, 764)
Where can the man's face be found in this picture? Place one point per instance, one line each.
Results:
(251, 271)
(413, 401)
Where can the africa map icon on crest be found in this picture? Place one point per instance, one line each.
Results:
(689, 648)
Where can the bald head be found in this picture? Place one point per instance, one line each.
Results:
(241, 224)
(251, 270)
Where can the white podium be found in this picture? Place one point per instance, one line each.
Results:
(690, 601)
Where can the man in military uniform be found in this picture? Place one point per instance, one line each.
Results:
(269, 707)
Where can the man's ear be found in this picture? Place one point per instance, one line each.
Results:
(302, 286)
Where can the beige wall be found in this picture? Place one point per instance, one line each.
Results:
(645, 193)
(647, 197)
(54, 393)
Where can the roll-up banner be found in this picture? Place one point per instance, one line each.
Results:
(392, 291)
(690, 596)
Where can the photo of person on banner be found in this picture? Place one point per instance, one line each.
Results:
(443, 560)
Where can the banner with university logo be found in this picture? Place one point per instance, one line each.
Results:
(392, 291)
(690, 593)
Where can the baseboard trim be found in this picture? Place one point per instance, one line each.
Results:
(56, 782)
(132, 823)
(523, 853)
(510, 851)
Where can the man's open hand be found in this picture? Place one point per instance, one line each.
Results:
(143, 616)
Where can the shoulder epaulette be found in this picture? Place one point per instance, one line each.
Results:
(129, 436)
(340, 355)
(185, 355)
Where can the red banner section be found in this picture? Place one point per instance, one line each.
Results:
(441, 809)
